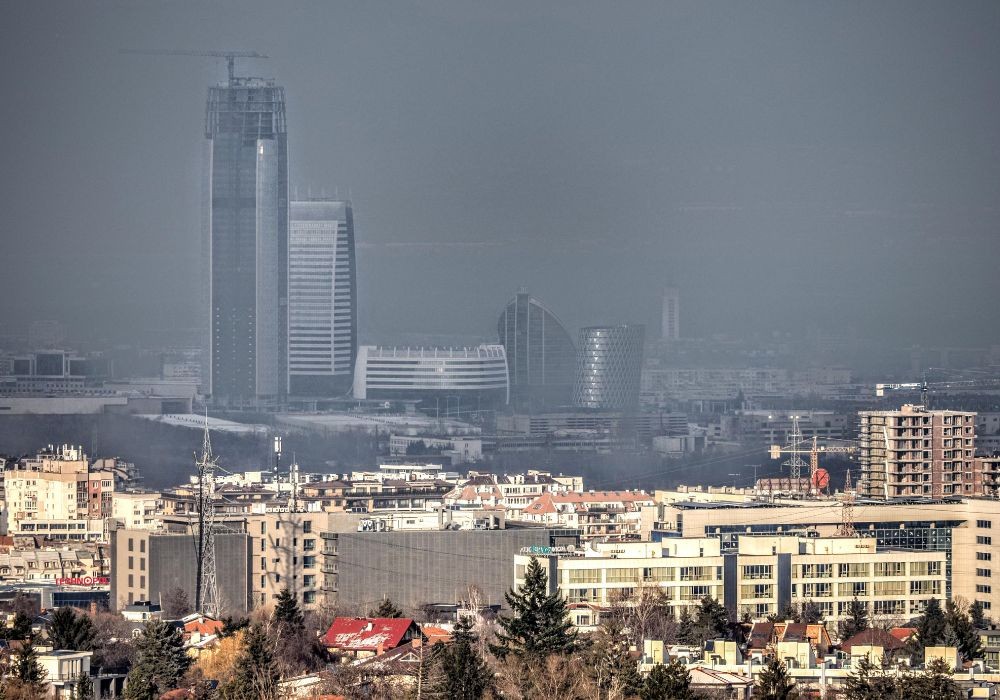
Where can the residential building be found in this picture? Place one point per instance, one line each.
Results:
(917, 452)
(609, 368)
(597, 514)
(137, 509)
(447, 381)
(541, 357)
(246, 241)
(670, 324)
(322, 298)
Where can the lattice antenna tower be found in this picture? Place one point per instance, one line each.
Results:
(207, 585)
(795, 449)
(847, 513)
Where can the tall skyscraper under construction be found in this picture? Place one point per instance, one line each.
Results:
(246, 242)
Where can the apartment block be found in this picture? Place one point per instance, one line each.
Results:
(761, 578)
(917, 452)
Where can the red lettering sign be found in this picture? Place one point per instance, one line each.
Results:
(84, 581)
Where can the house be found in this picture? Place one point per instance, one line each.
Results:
(363, 637)
(142, 611)
(720, 684)
(62, 667)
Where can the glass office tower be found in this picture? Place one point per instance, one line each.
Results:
(246, 241)
(541, 357)
(322, 298)
(610, 368)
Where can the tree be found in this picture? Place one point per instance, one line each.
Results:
(857, 620)
(176, 603)
(539, 625)
(23, 678)
(809, 613)
(935, 683)
(386, 608)
(287, 614)
(160, 662)
(20, 627)
(930, 628)
(83, 687)
(667, 682)
(965, 636)
(773, 683)
(869, 682)
(220, 665)
(685, 627)
(711, 620)
(615, 671)
(978, 615)
(256, 676)
(68, 629)
(231, 625)
(113, 645)
(463, 673)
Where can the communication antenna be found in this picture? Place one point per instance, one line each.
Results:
(206, 583)
(847, 513)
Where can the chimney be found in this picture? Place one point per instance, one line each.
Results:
(380, 649)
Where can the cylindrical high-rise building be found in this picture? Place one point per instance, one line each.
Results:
(609, 367)
(540, 355)
(246, 241)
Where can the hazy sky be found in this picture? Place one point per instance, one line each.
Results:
(786, 164)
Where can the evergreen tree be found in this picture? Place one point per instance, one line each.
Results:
(26, 668)
(160, 662)
(287, 614)
(231, 625)
(83, 687)
(711, 621)
(978, 615)
(387, 609)
(685, 627)
(256, 672)
(68, 629)
(773, 683)
(20, 628)
(930, 629)
(615, 671)
(935, 683)
(667, 682)
(463, 673)
(869, 682)
(857, 620)
(963, 632)
(539, 625)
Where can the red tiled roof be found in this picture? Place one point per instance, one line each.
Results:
(366, 634)
(903, 633)
(875, 638)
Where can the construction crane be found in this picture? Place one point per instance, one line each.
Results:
(230, 56)
(924, 387)
(797, 447)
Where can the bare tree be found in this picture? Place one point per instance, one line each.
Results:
(175, 603)
(555, 676)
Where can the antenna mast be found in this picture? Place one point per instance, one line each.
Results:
(206, 583)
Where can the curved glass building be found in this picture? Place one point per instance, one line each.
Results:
(609, 367)
(541, 357)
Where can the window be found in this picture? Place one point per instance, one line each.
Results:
(263, 528)
(621, 575)
(757, 571)
(142, 546)
(142, 563)
(854, 589)
(307, 526)
(985, 524)
(131, 581)
(131, 544)
(817, 590)
(925, 587)
(986, 573)
(756, 590)
(263, 544)
(131, 563)
(925, 568)
(817, 570)
(852, 570)
(263, 563)
(983, 588)
(984, 556)
(890, 588)
(890, 568)
(584, 576)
